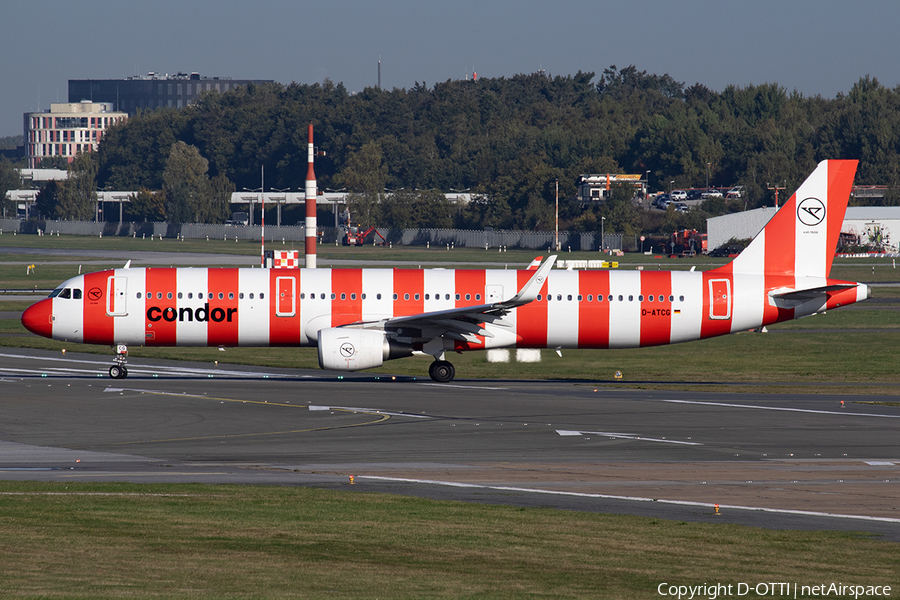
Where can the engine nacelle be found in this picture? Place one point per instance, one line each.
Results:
(348, 349)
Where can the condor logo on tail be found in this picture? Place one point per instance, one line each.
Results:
(811, 212)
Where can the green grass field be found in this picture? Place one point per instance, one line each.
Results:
(114, 540)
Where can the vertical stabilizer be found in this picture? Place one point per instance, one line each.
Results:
(800, 240)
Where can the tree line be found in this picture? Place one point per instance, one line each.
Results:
(506, 141)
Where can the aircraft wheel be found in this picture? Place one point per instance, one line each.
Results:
(441, 371)
(118, 372)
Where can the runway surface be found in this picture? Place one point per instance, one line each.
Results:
(777, 461)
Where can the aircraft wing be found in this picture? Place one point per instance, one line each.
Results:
(463, 323)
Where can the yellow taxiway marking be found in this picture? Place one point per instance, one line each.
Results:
(383, 417)
(129, 474)
(240, 435)
(204, 397)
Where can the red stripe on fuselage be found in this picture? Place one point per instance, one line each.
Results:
(409, 287)
(773, 314)
(712, 327)
(161, 311)
(531, 319)
(222, 327)
(284, 329)
(470, 287)
(780, 261)
(656, 316)
(98, 326)
(470, 292)
(593, 314)
(346, 285)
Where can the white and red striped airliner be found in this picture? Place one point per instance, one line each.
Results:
(358, 318)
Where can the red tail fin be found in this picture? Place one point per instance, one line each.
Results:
(801, 238)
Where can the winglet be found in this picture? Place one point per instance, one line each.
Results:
(127, 265)
(531, 289)
(535, 264)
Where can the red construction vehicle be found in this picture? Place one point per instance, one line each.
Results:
(353, 236)
(688, 242)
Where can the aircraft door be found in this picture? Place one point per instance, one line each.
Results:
(285, 302)
(719, 299)
(493, 293)
(116, 296)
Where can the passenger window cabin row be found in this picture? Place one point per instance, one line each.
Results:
(76, 294)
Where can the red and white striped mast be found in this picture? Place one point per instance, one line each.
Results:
(310, 204)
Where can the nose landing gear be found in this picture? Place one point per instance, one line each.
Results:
(118, 370)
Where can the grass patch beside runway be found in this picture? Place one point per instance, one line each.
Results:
(113, 540)
(46, 276)
(819, 360)
(884, 270)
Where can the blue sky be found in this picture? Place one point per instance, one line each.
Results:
(815, 47)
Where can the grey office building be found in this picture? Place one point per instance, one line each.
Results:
(154, 90)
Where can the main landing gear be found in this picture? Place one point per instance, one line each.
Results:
(118, 370)
(441, 371)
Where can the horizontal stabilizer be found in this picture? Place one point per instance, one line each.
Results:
(791, 298)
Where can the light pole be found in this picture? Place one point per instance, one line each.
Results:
(707, 177)
(776, 188)
(278, 204)
(557, 215)
(602, 234)
(250, 220)
(334, 204)
(262, 202)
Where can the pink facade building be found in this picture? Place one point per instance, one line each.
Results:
(68, 129)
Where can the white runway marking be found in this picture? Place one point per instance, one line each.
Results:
(371, 411)
(624, 436)
(843, 413)
(468, 387)
(101, 366)
(503, 488)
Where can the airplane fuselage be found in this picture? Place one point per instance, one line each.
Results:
(288, 307)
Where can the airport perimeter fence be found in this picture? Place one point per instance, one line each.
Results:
(458, 238)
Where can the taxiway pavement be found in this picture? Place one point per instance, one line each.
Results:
(771, 460)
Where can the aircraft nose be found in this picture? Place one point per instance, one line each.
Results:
(36, 318)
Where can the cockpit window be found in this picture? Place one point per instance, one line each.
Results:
(67, 293)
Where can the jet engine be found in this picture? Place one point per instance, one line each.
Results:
(349, 349)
